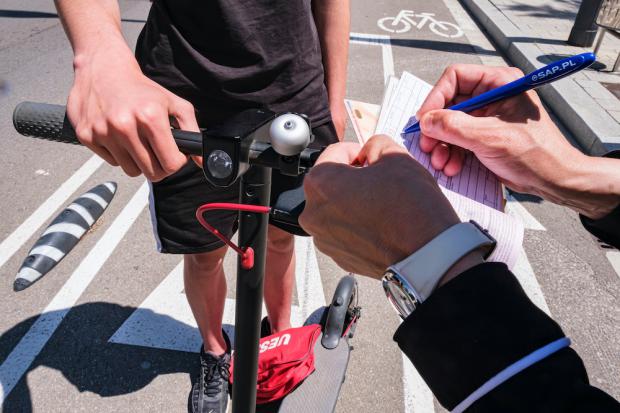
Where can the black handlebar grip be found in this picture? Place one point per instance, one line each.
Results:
(46, 121)
(189, 143)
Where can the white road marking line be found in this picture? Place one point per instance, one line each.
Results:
(49, 251)
(310, 295)
(386, 50)
(66, 227)
(514, 208)
(388, 61)
(102, 202)
(13, 242)
(418, 396)
(614, 259)
(164, 320)
(525, 274)
(83, 212)
(31, 344)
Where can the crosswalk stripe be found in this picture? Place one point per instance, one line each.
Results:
(514, 208)
(614, 259)
(31, 344)
(525, 274)
(418, 396)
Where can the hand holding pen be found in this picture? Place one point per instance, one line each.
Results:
(515, 138)
(547, 74)
(502, 119)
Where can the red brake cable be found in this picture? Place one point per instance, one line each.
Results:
(247, 253)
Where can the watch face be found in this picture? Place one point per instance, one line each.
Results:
(403, 302)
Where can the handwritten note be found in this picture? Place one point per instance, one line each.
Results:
(475, 193)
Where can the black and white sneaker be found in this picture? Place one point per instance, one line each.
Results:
(210, 391)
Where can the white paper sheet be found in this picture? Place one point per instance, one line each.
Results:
(475, 181)
(388, 95)
(506, 229)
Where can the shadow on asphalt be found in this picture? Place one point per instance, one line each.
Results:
(23, 14)
(545, 11)
(525, 197)
(548, 58)
(524, 39)
(79, 349)
(430, 45)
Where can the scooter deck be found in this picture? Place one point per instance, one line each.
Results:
(319, 392)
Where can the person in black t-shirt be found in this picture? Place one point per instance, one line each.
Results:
(200, 62)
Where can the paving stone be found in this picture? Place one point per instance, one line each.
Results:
(615, 114)
(602, 76)
(609, 104)
(598, 91)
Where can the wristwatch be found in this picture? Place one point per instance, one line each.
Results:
(410, 282)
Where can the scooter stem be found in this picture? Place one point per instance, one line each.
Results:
(255, 190)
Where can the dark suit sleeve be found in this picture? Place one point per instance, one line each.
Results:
(480, 323)
(606, 229)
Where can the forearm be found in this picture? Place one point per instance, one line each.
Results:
(607, 228)
(332, 18)
(91, 24)
(591, 186)
(478, 324)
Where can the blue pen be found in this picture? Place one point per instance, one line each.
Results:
(550, 73)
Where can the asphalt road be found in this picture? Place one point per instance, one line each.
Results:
(109, 330)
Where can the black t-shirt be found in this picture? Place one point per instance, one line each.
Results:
(228, 55)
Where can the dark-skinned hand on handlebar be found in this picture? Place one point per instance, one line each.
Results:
(358, 219)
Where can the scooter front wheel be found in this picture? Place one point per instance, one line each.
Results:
(341, 313)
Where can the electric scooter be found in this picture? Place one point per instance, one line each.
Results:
(248, 147)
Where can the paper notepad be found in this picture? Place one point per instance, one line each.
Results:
(475, 193)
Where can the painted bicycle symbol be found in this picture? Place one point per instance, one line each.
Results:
(404, 22)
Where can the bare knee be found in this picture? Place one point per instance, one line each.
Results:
(205, 263)
(279, 240)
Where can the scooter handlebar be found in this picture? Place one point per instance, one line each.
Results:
(47, 121)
